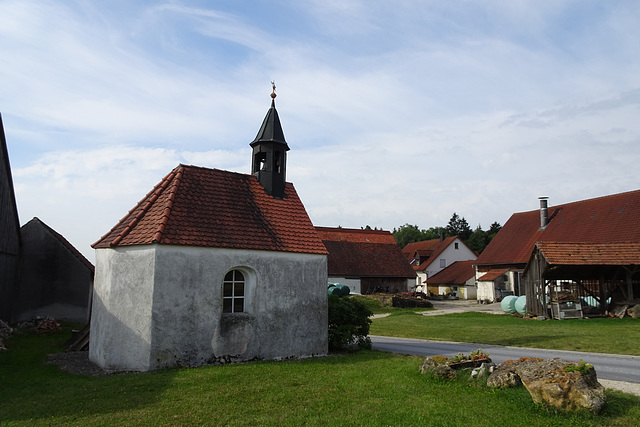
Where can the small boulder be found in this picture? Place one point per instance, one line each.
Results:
(504, 376)
(436, 367)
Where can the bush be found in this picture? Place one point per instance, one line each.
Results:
(348, 323)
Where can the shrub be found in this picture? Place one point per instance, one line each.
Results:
(348, 323)
(582, 367)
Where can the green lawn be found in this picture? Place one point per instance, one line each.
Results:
(366, 388)
(602, 335)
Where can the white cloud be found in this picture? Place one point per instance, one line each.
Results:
(395, 112)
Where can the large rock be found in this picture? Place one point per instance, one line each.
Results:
(560, 383)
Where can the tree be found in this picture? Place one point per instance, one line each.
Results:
(478, 240)
(435, 233)
(493, 230)
(458, 226)
(408, 234)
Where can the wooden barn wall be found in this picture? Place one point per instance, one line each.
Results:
(9, 229)
(534, 286)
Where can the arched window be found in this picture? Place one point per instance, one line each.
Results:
(233, 292)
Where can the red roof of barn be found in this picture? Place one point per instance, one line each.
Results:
(355, 235)
(456, 274)
(363, 253)
(608, 219)
(590, 253)
(196, 206)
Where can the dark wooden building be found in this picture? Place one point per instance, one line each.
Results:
(54, 278)
(9, 230)
(41, 273)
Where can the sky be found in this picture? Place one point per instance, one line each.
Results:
(395, 112)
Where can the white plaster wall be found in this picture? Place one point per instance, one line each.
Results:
(353, 283)
(451, 255)
(486, 291)
(120, 336)
(285, 308)
(470, 289)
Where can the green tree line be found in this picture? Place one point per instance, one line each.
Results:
(477, 239)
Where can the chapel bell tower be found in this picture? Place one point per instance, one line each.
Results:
(270, 152)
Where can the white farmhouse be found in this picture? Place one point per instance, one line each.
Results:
(212, 267)
(429, 257)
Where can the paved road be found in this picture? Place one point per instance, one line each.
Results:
(608, 366)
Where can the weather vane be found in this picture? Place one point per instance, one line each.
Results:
(273, 94)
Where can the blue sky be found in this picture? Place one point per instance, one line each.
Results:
(395, 112)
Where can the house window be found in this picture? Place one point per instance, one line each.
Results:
(443, 263)
(233, 292)
(455, 245)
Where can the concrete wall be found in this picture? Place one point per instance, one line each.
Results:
(158, 306)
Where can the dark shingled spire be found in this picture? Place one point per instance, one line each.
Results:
(271, 129)
(270, 153)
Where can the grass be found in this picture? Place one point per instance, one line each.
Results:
(365, 388)
(600, 335)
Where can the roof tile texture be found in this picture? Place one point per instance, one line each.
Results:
(363, 253)
(429, 248)
(195, 206)
(455, 274)
(590, 253)
(608, 219)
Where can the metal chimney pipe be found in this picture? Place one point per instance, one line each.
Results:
(544, 212)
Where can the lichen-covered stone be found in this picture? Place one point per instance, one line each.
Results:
(549, 381)
(437, 368)
(559, 383)
(504, 376)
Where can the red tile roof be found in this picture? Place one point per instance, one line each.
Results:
(195, 206)
(609, 219)
(430, 248)
(456, 274)
(492, 275)
(355, 235)
(590, 253)
(363, 253)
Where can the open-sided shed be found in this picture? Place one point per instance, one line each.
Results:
(588, 274)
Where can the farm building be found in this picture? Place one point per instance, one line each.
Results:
(41, 273)
(580, 255)
(367, 261)
(429, 257)
(458, 280)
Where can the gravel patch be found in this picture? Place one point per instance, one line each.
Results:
(77, 363)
